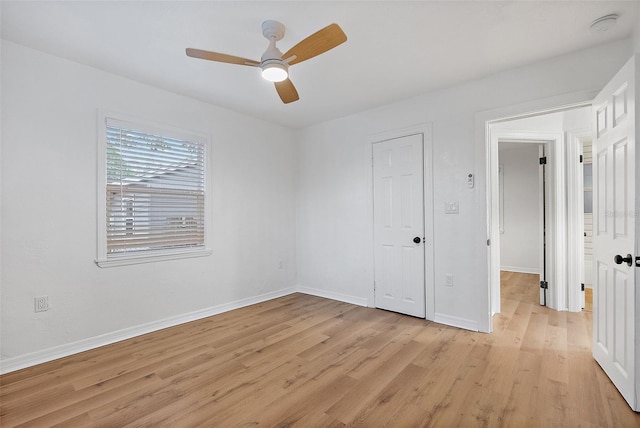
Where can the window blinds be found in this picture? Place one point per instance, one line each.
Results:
(155, 191)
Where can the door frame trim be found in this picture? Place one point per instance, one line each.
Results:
(427, 170)
(483, 168)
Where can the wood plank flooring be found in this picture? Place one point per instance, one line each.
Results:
(311, 362)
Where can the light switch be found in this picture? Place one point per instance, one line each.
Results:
(451, 207)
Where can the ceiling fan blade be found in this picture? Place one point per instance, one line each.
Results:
(319, 42)
(219, 57)
(287, 91)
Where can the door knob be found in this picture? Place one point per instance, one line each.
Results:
(619, 259)
(417, 240)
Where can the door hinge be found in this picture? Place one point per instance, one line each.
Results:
(488, 242)
(543, 160)
(544, 284)
(581, 287)
(580, 158)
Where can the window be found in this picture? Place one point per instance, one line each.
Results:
(153, 201)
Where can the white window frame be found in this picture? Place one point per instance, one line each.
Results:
(104, 259)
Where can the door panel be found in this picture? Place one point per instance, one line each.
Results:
(615, 310)
(398, 219)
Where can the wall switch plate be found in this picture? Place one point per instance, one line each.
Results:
(451, 207)
(41, 303)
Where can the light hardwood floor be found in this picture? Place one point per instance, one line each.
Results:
(307, 361)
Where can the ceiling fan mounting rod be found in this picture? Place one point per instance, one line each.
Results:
(273, 31)
(272, 51)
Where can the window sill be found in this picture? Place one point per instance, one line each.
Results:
(126, 260)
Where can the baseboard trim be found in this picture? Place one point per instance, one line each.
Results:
(334, 296)
(520, 269)
(452, 321)
(46, 355)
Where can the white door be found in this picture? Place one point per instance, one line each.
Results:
(615, 307)
(399, 225)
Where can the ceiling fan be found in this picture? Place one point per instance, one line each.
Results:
(275, 64)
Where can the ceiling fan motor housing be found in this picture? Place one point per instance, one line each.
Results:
(272, 53)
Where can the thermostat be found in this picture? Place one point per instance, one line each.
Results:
(470, 182)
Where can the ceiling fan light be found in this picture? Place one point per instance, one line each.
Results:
(274, 71)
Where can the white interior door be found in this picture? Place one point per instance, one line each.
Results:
(616, 302)
(398, 202)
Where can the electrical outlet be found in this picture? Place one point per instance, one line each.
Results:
(41, 303)
(448, 280)
(451, 207)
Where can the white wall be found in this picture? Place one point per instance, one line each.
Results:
(636, 34)
(520, 242)
(317, 220)
(334, 234)
(49, 113)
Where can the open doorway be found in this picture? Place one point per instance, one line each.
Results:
(561, 236)
(522, 214)
(616, 229)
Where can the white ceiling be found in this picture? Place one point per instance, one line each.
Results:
(395, 49)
